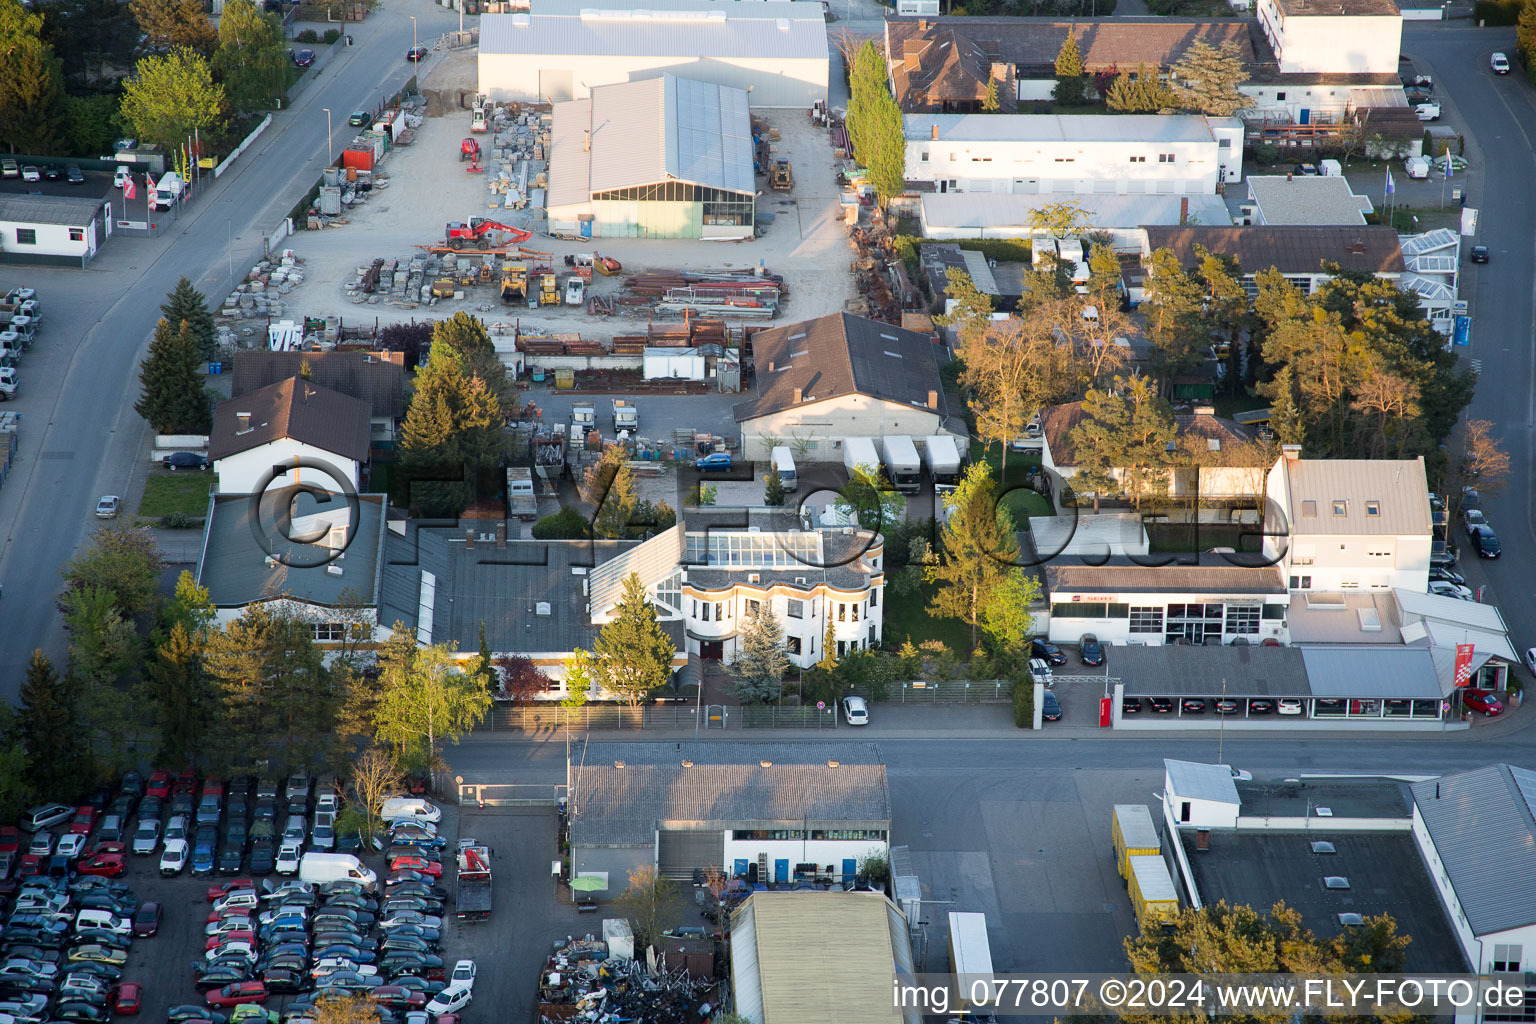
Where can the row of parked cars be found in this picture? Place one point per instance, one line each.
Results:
(32, 172)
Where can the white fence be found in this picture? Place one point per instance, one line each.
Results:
(219, 170)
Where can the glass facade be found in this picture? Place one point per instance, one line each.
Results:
(720, 206)
(753, 550)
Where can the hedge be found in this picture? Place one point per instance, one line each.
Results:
(1497, 12)
(1024, 702)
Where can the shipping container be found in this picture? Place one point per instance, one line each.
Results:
(970, 956)
(1153, 896)
(1135, 835)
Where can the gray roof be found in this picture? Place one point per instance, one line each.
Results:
(650, 131)
(1008, 215)
(1177, 671)
(502, 587)
(293, 409)
(625, 806)
(1372, 671)
(1289, 248)
(664, 28)
(1202, 781)
(1482, 826)
(71, 211)
(242, 532)
(1307, 199)
(1059, 128)
(1397, 486)
(841, 354)
(361, 375)
(1119, 574)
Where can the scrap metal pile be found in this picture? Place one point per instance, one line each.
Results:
(581, 982)
(732, 294)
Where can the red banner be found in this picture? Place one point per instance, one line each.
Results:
(1464, 664)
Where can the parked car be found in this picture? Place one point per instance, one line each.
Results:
(1486, 542)
(415, 55)
(1047, 652)
(184, 460)
(1288, 706)
(74, 175)
(288, 858)
(127, 997)
(715, 462)
(1226, 706)
(359, 118)
(30, 172)
(173, 859)
(1440, 588)
(146, 920)
(1160, 705)
(1050, 710)
(1090, 650)
(107, 505)
(1479, 254)
(1448, 576)
(303, 58)
(855, 712)
(1482, 700)
(1192, 705)
(69, 846)
(1130, 705)
(237, 993)
(1261, 706)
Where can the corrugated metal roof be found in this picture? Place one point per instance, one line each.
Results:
(1398, 488)
(1152, 878)
(1372, 672)
(665, 28)
(641, 133)
(791, 979)
(1136, 827)
(1202, 781)
(1482, 826)
(71, 211)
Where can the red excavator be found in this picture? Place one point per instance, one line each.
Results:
(478, 233)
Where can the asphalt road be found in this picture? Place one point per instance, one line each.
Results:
(1500, 115)
(80, 436)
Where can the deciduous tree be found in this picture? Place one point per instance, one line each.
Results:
(90, 123)
(633, 654)
(1126, 428)
(567, 524)
(1173, 306)
(125, 562)
(171, 24)
(978, 550)
(760, 664)
(172, 396)
(1065, 218)
(170, 98)
(345, 1008)
(971, 312)
(1006, 622)
(580, 675)
(252, 57)
(1477, 460)
(647, 903)
(375, 777)
(424, 702)
(31, 91)
(1015, 369)
(1207, 79)
(869, 498)
(520, 679)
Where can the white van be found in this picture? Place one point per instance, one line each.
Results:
(168, 191)
(410, 808)
(319, 868)
(785, 464)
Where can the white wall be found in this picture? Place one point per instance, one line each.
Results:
(775, 82)
(810, 629)
(1271, 98)
(1065, 629)
(1478, 949)
(820, 852)
(309, 612)
(1342, 562)
(826, 423)
(1332, 44)
(1104, 167)
(52, 239)
(244, 472)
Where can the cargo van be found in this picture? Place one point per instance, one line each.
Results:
(410, 808)
(319, 868)
(784, 462)
(168, 191)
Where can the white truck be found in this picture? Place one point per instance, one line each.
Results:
(8, 383)
(943, 458)
(860, 453)
(902, 466)
(784, 462)
(168, 191)
(625, 416)
(522, 502)
(584, 415)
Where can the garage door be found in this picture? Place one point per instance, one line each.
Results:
(681, 853)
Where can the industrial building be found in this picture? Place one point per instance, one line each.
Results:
(665, 157)
(563, 49)
(767, 813)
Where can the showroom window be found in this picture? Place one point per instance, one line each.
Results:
(1146, 620)
(1242, 619)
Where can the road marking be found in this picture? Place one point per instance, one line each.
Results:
(1477, 366)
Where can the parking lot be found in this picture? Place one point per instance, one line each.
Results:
(97, 185)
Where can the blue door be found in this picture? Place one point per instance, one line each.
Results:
(781, 871)
(1305, 117)
(741, 867)
(586, 225)
(850, 869)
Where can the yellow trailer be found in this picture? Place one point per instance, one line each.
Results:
(1135, 835)
(1153, 895)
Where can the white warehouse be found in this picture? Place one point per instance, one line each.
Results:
(1133, 154)
(776, 50)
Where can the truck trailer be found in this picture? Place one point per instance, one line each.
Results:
(943, 458)
(472, 896)
(860, 453)
(902, 466)
(970, 955)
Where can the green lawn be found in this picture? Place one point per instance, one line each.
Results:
(166, 493)
(1022, 502)
(907, 617)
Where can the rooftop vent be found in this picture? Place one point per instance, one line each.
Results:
(1323, 847)
(765, 764)
(802, 352)
(893, 355)
(1351, 920)
(889, 337)
(542, 608)
(1335, 882)
(1324, 812)
(687, 764)
(334, 570)
(796, 337)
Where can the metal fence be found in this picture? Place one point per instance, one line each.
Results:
(773, 717)
(953, 691)
(510, 794)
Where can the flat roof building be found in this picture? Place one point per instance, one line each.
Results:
(1311, 199)
(665, 157)
(562, 49)
(63, 231)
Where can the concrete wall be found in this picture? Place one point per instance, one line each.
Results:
(509, 77)
(244, 472)
(814, 432)
(1332, 44)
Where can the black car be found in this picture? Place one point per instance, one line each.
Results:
(416, 54)
(1130, 705)
(280, 980)
(263, 859)
(1226, 706)
(1052, 654)
(1192, 705)
(1050, 711)
(1486, 542)
(53, 172)
(1090, 650)
(74, 175)
(231, 856)
(184, 460)
(1161, 705)
(1448, 576)
(1261, 706)
(1479, 254)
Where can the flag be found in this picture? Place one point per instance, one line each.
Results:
(1447, 161)
(1390, 187)
(1463, 664)
(128, 188)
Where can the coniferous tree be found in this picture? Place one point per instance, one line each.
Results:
(1208, 79)
(1069, 73)
(182, 695)
(1126, 427)
(633, 653)
(760, 664)
(173, 399)
(49, 726)
(452, 442)
(185, 304)
(978, 550)
(773, 491)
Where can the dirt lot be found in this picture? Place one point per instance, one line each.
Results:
(428, 187)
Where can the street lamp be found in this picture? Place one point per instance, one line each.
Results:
(413, 32)
(328, 149)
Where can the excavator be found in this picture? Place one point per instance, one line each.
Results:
(478, 233)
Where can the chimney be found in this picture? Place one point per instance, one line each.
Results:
(469, 540)
(933, 132)
(1289, 176)
(922, 25)
(1357, 247)
(1203, 840)
(586, 140)
(1292, 452)
(1184, 211)
(799, 396)
(501, 535)
(933, 399)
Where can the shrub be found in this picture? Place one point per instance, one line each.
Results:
(308, 36)
(331, 35)
(177, 521)
(567, 524)
(1266, 156)
(1024, 701)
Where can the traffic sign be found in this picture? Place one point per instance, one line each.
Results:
(821, 705)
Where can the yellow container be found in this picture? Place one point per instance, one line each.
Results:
(1135, 835)
(1153, 895)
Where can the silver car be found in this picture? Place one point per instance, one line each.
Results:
(146, 838)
